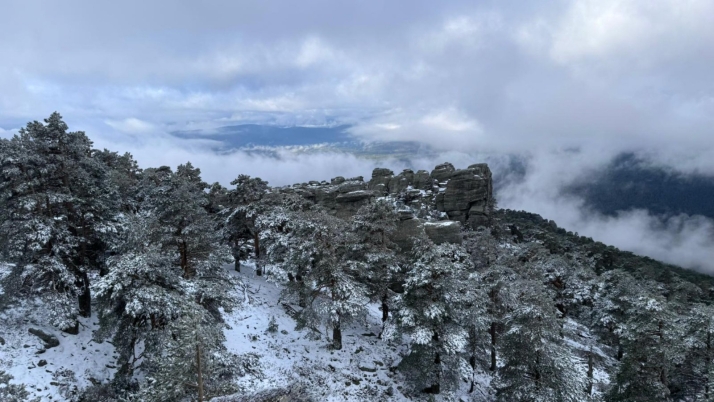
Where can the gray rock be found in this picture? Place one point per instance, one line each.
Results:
(406, 230)
(350, 186)
(439, 202)
(401, 182)
(405, 214)
(42, 363)
(464, 188)
(337, 180)
(50, 340)
(444, 232)
(423, 181)
(443, 172)
(380, 180)
(354, 196)
(347, 204)
(2, 340)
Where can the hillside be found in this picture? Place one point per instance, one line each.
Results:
(129, 284)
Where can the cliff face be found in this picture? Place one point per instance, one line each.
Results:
(463, 196)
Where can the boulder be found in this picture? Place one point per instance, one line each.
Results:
(423, 181)
(337, 180)
(380, 180)
(347, 204)
(406, 230)
(443, 172)
(354, 196)
(463, 189)
(444, 232)
(401, 182)
(350, 186)
(50, 340)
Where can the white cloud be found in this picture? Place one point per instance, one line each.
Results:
(444, 129)
(131, 125)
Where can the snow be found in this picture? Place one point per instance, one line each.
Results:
(364, 370)
(21, 353)
(443, 223)
(358, 372)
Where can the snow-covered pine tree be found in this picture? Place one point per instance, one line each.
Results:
(13, 392)
(319, 256)
(432, 311)
(56, 206)
(245, 208)
(536, 363)
(373, 226)
(193, 363)
(168, 268)
(652, 346)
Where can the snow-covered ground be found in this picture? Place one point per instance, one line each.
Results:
(364, 370)
(56, 373)
(361, 371)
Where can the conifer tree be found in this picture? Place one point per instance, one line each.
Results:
(245, 208)
(536, 362)
(373, 226)
(56, 207)
(432, 312)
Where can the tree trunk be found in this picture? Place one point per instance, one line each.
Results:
(493, 346)
(385, 310)
(256, 245)
(183, 250)
(258, 268)
(337, 335)
(589, 389)
(200, 373)
(237, 265)
(85, 298)
(709, 361)
(436, 386)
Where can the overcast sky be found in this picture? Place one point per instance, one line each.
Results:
(548, 80)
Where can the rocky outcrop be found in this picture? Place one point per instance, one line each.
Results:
(380, 181)
(466, 197)
(444, 232)
(463, 196)
(401, 182)
(443, 172)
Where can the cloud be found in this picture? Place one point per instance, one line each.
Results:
(131, 125)
(683, 240)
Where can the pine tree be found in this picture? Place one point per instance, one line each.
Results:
(536, 363)
(56, 208)
(373, 225)
(167, 276)
(13, 392)
(193, 362)
(245, 208)
(651, 341)
(318, 254)
(432, 311)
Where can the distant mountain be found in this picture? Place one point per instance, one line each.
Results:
(244, 135)
(630, 182)
(265, 138)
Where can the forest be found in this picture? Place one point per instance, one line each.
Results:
(513, 309)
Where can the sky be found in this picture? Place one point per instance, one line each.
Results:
(566, 84)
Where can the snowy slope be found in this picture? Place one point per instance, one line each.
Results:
(358, 372)
(57, 373)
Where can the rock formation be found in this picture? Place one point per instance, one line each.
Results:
(463, 196)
